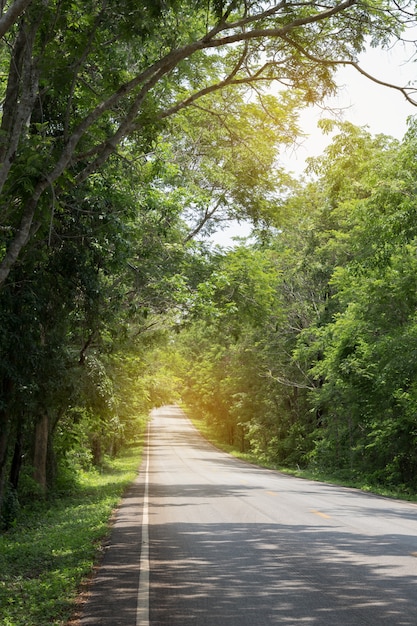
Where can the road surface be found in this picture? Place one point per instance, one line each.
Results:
(223, 543)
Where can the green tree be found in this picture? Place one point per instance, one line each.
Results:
(363, 352)
(231, 347)
(94, 293)
(306, 342)
(85, 82)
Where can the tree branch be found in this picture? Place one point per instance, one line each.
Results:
(354, 64)
(147, 79)
(21, 93)
(208, 214)
(162, 67)
(12, 14)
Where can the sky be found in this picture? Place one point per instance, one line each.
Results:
(360, 101)
(363, 102)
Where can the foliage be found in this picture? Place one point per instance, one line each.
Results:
(128, 131)
(74, 334)
(319, 370)
(367, 349)
(229, 353)
(86, 81)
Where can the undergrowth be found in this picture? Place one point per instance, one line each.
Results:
(364, 483)
(54, 545)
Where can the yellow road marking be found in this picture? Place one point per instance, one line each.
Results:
(320, 514)
(272, 493)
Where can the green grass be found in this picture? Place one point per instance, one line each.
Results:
(54, 546)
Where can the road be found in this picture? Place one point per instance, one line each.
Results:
(222, 542)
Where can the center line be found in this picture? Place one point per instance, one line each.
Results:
(320, 514)
(142, 610)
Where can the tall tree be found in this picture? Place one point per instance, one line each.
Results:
(367, 348)
(70, 311)
(83, 79)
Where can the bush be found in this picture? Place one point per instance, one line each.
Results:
(10, 508)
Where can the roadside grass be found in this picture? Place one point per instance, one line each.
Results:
(343, 479)
(54, 546)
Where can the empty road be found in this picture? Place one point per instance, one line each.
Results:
(203, 539)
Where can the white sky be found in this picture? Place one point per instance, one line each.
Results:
(363, 103)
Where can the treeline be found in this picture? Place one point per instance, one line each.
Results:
(80, 326)
(129, 131)
(304, 346)
(107, 175)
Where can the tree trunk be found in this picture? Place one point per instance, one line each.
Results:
(17, 459)
(5, 420)
(40, 453)
(12, 14)
(4, 439)
(96, 450)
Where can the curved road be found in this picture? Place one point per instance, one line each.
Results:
(221, 542)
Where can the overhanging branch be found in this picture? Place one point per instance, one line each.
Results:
(139, 86)
(12, 15)
(354, 64)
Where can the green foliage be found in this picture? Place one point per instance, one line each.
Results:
(366, 349)
(130, 129)
(226, 157)
(229, 356)
(74, 335)
(10, 508)
(307, 350)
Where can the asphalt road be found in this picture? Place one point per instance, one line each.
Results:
(224, 543)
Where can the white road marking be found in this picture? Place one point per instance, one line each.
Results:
(142, 610)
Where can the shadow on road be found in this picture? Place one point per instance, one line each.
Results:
(249, 574)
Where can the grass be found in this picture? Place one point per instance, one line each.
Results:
(362, 483)
(54, 546)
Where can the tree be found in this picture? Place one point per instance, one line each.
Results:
(235, 338)
(306, 342)
(225, 155)
(69, 104)
(361, 347)
(70, 313)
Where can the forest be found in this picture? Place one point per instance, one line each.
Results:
(130, 133)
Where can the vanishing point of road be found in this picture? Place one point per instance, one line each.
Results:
(204, 539)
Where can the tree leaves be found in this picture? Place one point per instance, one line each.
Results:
(161, 61)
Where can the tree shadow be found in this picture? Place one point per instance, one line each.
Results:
(248, 574)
